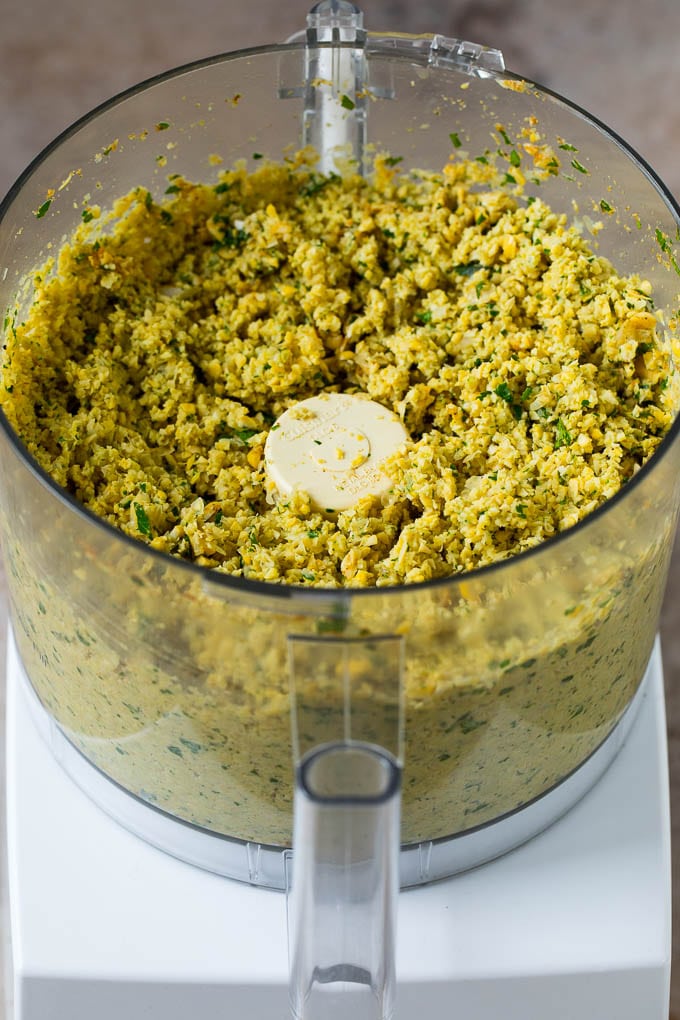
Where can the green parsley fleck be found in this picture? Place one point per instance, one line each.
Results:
(503, 391)
(562, 435)
(143, 525)
(467, 268)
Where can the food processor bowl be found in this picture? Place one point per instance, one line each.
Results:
(172, 683)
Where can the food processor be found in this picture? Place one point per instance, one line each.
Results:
(265, 764)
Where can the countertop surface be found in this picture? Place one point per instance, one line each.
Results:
(621, 62)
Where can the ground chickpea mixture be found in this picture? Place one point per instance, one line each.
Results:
(154, 361)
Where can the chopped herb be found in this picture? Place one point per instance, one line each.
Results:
(244, 435)
(87, 215)
(503, 391)
(143, 525)
(40, 212)
(455, 140)
(468, 723)
(514, 158)
(605, 206)
(334, 625)
(172, 189)
(479, 806)
(579, 166)
(162, 125)
(393, 160)
(190, 744)
(347, 103)
(258, 155)
(665, 245)
(316, 182)
(423, 317)
(467, 268)
(562, 435)
(312, 533)
(231, 238)
(567, 147)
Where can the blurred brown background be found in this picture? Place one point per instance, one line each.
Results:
(620, 61)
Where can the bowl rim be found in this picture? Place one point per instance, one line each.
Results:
(282, 590)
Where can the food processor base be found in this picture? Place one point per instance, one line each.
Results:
(575, 923)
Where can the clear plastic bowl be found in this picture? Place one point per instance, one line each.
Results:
(175, 682)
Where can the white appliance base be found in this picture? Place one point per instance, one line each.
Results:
(575, 923)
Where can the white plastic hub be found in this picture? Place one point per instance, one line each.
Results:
(333, 446)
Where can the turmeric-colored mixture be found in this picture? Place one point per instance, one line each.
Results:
(159, 352)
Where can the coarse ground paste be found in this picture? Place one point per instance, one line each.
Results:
(150, 369)
(533, 382)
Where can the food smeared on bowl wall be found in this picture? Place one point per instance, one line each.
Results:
(528, 380)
